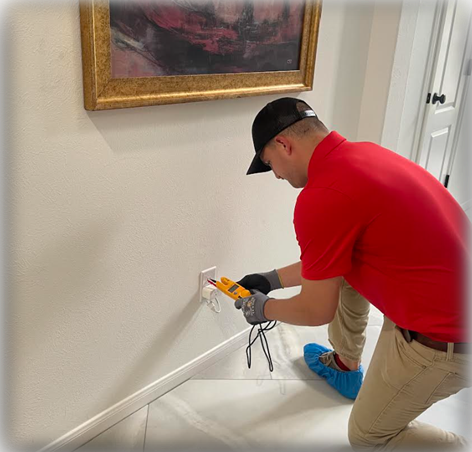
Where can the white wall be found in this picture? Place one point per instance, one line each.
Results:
(113, 215)
(369, 39)
(378, 74)
(349, 75)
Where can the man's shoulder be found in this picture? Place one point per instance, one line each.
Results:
(321, 196)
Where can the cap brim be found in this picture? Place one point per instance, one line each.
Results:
(257, 166)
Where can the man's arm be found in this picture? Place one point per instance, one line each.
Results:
(315, 305)
(291, 276)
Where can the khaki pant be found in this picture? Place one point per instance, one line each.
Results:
(403, 380)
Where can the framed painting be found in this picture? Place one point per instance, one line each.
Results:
(149, 52)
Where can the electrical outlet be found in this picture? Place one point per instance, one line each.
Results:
(209, 273)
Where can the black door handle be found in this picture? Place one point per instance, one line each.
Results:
(441, 99)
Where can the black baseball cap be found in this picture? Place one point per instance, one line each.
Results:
(275, 117)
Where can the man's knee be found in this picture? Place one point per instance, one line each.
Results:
(360, 438)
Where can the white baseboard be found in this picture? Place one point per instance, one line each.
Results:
(140, 399)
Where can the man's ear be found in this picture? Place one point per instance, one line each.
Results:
(285, 143)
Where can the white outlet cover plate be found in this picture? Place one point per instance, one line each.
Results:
(209, 273)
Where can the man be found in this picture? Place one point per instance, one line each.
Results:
(373, 226)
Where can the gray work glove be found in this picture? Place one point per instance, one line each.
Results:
(263, 282)
(253, 307)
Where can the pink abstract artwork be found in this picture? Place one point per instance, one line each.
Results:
(185, 37)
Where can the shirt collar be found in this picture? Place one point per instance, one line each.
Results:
(329, 143)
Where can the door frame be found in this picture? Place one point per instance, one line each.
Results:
(433, 56)
(465, 94)
(420, 33)
(415, 53)
(428, 87)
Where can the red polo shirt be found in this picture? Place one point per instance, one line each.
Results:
(391, 229)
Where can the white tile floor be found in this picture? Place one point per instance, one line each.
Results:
(229, 406)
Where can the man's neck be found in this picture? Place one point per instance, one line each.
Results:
(312, 143)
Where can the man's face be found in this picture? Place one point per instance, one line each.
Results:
(280, 159)
(270, 157)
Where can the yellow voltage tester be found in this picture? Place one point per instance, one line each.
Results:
(232, 289)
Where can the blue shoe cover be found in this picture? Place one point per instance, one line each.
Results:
(347, 383)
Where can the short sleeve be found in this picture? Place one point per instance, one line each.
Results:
(327, 224)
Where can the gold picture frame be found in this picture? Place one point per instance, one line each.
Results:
(102, 92)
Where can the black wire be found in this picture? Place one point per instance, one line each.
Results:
(264, 343)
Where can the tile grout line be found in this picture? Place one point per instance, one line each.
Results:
(258, 379)
(146, 428)
(77, 449)
(229, 379)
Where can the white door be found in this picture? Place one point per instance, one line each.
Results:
(447, 89)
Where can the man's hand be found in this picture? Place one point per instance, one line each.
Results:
(262, 282)
(253, 307)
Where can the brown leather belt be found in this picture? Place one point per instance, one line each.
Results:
(459, 347)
